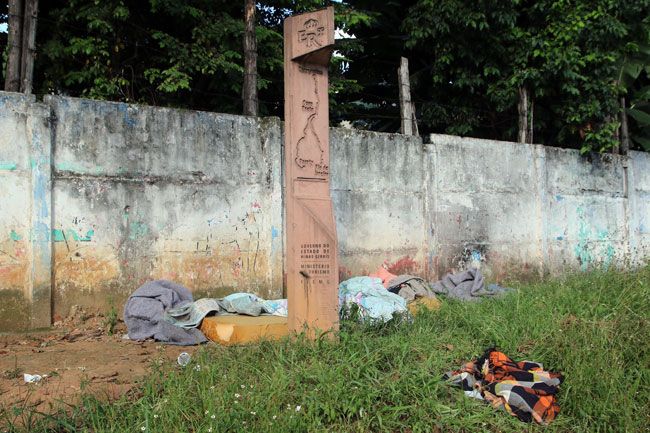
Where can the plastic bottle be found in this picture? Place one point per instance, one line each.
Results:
(184, 359)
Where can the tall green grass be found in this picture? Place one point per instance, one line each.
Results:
(595, 328)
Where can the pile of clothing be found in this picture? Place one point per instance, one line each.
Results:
(382, 296)
(523, 389)
(166, 312)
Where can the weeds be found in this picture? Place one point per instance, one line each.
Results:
(13, 373)
(110, 321)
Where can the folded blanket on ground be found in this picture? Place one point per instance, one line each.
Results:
(145, 308)
(467, 286)
(523, 389)
(190, 315)
(372, 299)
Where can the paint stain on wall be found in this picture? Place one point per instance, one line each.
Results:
(137, 230)
(5, 165)
(594, 247)
(405, 265)
(59, 235)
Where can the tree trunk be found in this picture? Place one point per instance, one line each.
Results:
(531, 116)
(12, 80)
(625, 132)
(29, 46)
(522, 107)
(406, 107)
(249, 94)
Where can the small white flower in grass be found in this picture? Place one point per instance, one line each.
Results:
(207, 412)
(236, 402)
(213, 416)
(251, 386)
(298, 408)
(288, 406)
(237, 395)
(212, 387)
(243, 386)
(210, 430)
(155, 415)
(197, 367)
(275, 417)
(143, 428)
(253, 413)
(243, 422)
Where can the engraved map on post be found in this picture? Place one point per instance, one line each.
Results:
(309, 148)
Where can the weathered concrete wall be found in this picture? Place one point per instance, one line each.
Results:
(483, 205)
(638, 188)
(379, 195)
(517, 209)
(143, 192)
(97, 197)
(25, 213)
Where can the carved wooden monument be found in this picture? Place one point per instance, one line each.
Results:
(311, 263)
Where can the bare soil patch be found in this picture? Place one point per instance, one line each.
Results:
(76, 354)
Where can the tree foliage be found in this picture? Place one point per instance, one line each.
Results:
(576, 58)
(469, 59)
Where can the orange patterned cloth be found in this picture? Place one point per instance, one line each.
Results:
(523, 389)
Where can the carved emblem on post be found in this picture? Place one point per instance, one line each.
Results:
(311, 264)
(311, 33)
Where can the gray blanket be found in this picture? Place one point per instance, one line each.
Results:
(144, 314)
(467, 286)
(410, 287)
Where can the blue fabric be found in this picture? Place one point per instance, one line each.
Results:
(373, 300)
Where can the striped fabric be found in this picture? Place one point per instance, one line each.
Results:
(523, 389)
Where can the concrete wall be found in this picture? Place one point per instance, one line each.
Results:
(517, 209)
(98, 197)
(25, 213)
(144, 192)
(379, 201)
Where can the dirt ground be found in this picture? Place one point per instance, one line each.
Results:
(78, 352)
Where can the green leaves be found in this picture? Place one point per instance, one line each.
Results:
(641, 117)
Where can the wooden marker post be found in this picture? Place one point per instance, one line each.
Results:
(311, 263)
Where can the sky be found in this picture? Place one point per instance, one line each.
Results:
(3, 28)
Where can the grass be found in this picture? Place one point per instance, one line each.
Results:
(592, 327)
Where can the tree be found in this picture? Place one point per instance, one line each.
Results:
(22, 48)
(28, 51)
(12, 77)
(250, 60)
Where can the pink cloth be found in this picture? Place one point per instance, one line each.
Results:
(383, 275)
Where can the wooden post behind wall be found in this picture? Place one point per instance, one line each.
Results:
(407, 112)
